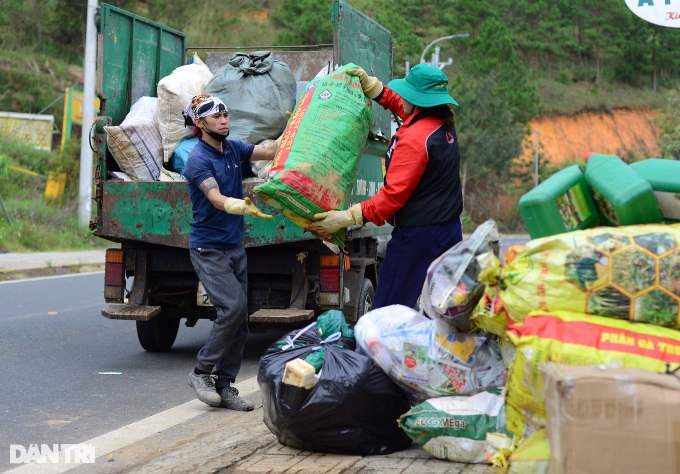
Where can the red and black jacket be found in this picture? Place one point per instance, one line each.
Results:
(422, 184)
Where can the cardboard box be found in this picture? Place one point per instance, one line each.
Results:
(603, 420)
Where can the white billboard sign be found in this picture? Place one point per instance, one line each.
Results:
(659, 12)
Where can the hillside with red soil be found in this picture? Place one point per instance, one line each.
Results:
(616, 132)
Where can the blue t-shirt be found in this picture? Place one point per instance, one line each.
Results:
(211, 227)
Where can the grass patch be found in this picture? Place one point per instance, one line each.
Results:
(561, 98)
(37, 227)
(17, 160)
(33, 81)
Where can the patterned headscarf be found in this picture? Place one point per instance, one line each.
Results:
(201, 106)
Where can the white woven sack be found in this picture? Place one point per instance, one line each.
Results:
(261, 167)
(136, 143)
(174, 93)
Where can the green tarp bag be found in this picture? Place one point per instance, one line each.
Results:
(258, 91)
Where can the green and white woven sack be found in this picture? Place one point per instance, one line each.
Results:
(455, 428)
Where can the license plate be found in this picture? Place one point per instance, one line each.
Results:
(202, 297)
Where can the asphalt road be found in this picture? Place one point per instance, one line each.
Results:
(56, 350)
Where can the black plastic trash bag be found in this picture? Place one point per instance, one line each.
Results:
(352, 409)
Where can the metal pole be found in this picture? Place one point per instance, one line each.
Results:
(536, 161)
(86, 154)
(422, 56)
(4, 209)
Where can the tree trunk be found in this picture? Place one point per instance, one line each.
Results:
(462, 181)
(498, 201)
(597, 64)
(654, 61)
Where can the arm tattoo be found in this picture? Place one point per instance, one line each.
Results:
(207, 185)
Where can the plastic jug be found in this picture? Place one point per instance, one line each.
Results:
(664, 177)
(621, 195)
(559, 204)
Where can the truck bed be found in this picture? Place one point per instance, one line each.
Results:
(135, 53)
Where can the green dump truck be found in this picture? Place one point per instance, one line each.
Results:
(293, 275)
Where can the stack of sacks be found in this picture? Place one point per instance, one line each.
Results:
(153, 127)
(451, 366)
(576, 339)
(590, 297)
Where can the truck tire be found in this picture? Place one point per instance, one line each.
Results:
(365, 300)
(157, 334)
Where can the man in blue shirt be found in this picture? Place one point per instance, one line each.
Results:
(214, 173)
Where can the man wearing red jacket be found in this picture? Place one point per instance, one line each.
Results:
(422, 196)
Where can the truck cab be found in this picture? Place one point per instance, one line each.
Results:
(293, 274)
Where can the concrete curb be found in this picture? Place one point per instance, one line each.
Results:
(243, 444)
(17, 266)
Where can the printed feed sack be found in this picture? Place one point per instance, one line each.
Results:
(630, 273)
(316, 164)
(455, 428)
(577, 339)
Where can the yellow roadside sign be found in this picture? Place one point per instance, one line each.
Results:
(54, 190)
(34, 129)
(77, 106)
(73, 112)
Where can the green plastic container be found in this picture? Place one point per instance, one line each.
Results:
(621, 195)
(559, 204)
(664, 177)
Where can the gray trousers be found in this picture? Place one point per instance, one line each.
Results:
(225, 279)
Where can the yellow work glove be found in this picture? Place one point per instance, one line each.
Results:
(242, 207)
(371, 85)
(333, 221)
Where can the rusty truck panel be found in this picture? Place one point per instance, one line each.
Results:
(160, 213)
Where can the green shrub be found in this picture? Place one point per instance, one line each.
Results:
(35, 224)
(669, 120)
(564, 78)
(17, 156)
(39, 227)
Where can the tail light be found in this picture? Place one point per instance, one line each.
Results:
(114, 276)
(329, 273)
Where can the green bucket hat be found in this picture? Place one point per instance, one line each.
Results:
(424, 86)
